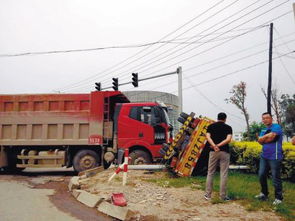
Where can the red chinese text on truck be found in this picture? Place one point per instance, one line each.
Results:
(79, 130)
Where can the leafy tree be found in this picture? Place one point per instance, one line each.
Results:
(275, 104)
(287, 104)
(255, 128)
(238, 98)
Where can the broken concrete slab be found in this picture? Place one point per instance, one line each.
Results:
(74, 183)
(76, 193)
(84, 180)
(91, 172)
(89, 199)
(118, 212)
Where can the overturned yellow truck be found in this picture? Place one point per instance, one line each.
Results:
(184, 153)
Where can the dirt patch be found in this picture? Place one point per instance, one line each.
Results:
(65, 202)
(153, 202)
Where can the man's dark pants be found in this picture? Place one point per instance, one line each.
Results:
(275, 167)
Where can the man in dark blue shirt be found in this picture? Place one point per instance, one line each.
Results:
(271, 157)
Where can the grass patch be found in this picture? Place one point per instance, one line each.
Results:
(242, 188)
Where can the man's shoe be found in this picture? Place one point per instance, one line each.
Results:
(207, 197)
(225, 199)
(277, 202)
(261, 196)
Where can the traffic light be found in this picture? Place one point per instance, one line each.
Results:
(135, 79)
(98, 86)
(115, 84)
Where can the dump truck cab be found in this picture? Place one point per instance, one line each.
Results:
(142, 128)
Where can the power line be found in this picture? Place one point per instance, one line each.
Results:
(231, 73)
(284, 66)
(216, 67)
(231, 62)
(281, 39)
(152, 61)
(230, 55)
(132, 56)
(172, 41)
(223, 20)
(221, 65)
(219, 35)
(210, 101)
(235, 72)
(216, 105)
(204, 20)
(185, 59)
(210, 17)
(244, 23)
(243, 33)
(206, 50)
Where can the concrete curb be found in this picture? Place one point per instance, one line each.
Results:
(92, 200)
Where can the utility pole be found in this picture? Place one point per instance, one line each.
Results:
(179, 72)
(270, 69)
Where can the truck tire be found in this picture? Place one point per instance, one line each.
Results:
(85, 160)
(139, 157)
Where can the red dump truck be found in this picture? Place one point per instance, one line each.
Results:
(79, 130)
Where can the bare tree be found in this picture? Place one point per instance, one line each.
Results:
(275, 105)
(238, 98)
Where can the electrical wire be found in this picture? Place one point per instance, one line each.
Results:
(206, 19)
(172, 41)
(230, 16)
(185, 59)
(230, 73)
(219, 35)
(256, 17)
(130, 57)
(235, 72)
(216, 105)
(152, 61)
(285, 68)
(221, 65)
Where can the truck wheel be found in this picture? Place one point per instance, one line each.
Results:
(85, 160)
(139, 157)
(106, 165)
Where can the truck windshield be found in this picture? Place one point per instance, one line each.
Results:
(166, 116)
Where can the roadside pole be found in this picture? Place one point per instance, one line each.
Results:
(179, 72)
(270, 69)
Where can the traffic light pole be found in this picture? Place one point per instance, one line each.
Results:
(144, 79)
(178, 72)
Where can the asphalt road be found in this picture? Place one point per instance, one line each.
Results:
(41, 195)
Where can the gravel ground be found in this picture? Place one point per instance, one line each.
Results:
(152, 202)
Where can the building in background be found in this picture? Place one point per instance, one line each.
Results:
(170, 100)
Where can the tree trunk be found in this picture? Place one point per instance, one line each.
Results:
(247, 123)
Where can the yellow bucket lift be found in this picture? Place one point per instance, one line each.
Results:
(184, 152)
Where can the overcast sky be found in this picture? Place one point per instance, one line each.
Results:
(217, 44)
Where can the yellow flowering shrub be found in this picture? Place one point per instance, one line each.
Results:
(248, 153)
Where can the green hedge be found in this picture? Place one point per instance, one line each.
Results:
(248, 153)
